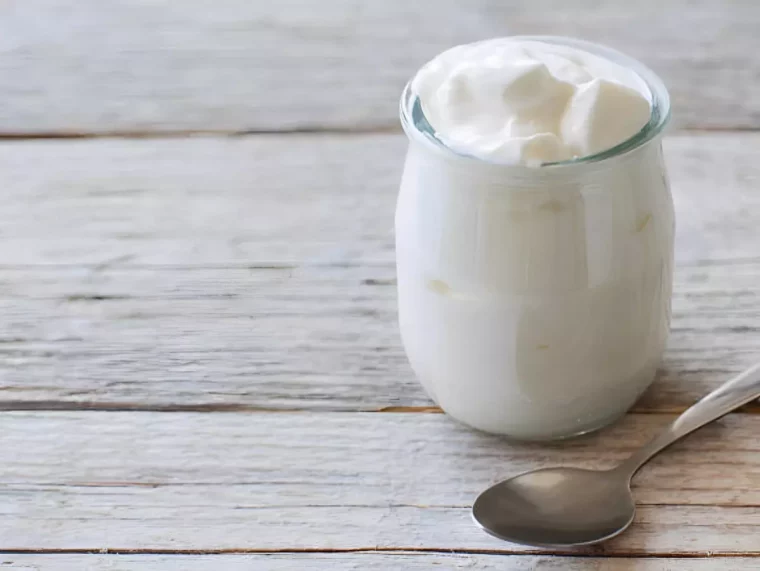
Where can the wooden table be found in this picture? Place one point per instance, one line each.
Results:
(199, 360)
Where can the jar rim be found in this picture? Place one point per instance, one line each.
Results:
(416, 125)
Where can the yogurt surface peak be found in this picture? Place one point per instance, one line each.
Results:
(528, 102)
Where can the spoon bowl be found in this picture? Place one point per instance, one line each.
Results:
(556, 507)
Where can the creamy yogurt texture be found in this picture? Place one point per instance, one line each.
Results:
(529, 102)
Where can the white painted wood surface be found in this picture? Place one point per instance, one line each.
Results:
(257, 272)
(268, 482)
(196, 330)
(86, 66)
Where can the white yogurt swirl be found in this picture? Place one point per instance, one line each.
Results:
(527, 102)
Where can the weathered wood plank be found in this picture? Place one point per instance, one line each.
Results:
(298, 200)
(370, 561)
(162, 521)
(358, 459)
(329, 481)
(71, 66)
(257, 272)
(307, 338)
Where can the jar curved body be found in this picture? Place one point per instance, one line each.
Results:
(535, 306)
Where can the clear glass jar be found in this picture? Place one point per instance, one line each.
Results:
(535, 302)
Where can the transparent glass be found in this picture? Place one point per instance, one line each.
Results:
(535, 302)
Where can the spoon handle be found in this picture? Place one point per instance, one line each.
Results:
(737, 392)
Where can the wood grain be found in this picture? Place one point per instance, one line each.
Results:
(257, 272)
(330, 481)
(73, 66)
(370, 561)
(285, 200)
(307, 338)
(331, 459)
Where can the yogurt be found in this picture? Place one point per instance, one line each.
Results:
(534, 298)
(530, 102)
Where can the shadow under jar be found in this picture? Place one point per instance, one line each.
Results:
(535, 302)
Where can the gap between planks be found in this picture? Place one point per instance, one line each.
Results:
(104, 406)
(589, 552)
(380, 129)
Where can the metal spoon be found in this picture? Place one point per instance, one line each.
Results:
(565, 507)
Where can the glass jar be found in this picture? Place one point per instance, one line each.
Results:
(535, 302)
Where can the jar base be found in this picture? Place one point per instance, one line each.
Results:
(582, 430)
